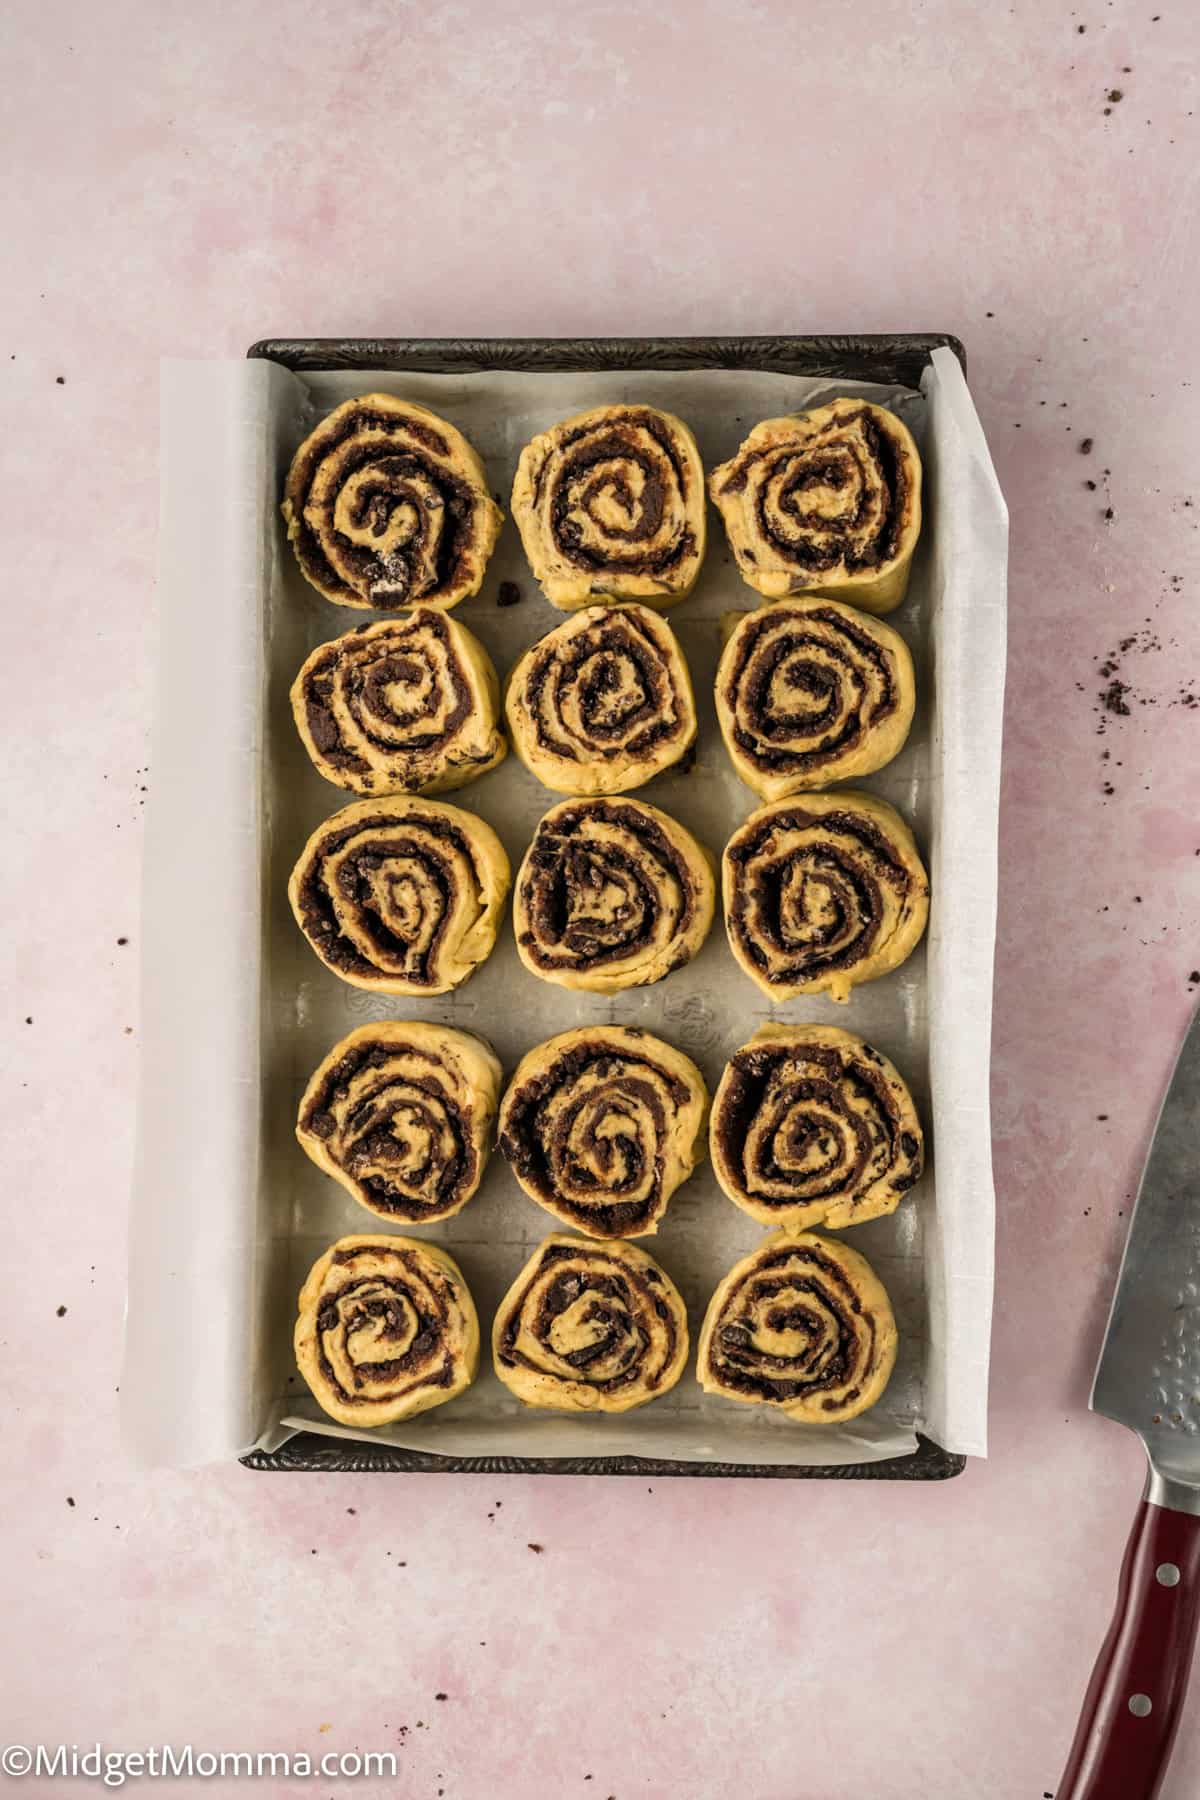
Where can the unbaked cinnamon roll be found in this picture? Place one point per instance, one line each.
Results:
(810, 692)
(802, 1323)
(811, 1126)
(611, 502)
(823, 892)
(601, 1125)
(825, 502)
(612, 894)
(401, 1113)
(401, 895)
(387, 505)
(387, 1328)
(602, 703)
(407, 706)
(590, 1327)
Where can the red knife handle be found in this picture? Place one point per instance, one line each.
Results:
(1132, 1706)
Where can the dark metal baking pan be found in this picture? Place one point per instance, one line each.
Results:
(897, 358)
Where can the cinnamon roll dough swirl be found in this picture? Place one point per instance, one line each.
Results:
(602, 703)
(823, 892)
(386, 505)
(401, 895)
(590, 1327)
(811, 1126)
(612, 894)
(401, 1114)
(387, 1328)
(825, 502)
(410, 705)
(601, 1124)
(802, 1323)
(810, 692)
(611, 502)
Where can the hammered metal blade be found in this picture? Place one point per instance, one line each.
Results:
(1148, 1376)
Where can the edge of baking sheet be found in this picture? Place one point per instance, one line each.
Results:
(903, 357)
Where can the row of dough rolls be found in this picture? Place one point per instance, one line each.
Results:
(809, 1125)
(387, 1329)
(387, 506)
(808, 692)
(405, 895)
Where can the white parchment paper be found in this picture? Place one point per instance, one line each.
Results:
(229, 1213)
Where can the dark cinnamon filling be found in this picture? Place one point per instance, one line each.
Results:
(734, 1359)
(565, 866)
(398, 468)
(835, 730)
(814, 1099)
(373, 1134)
(821, 461)
(607, 441)
(396, 661)
(536, 1144)
(851, 895)
(425, 1363)
(632, 1292)
(609, 730)
(320, 922)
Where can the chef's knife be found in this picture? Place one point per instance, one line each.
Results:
(1148, 1378)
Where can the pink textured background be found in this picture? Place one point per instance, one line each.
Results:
(182, 179)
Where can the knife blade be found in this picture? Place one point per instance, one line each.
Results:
(1148, 1379)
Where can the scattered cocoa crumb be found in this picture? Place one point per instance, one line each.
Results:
(441, 1696)
(62, 1312)
(1102, 1117)
(29, 1018)
(509, 594)
(1113, 698)
(122, 940)
(1108, 512)
(1091, 485)
(536, 1548)
(1114, 94)
(351, 1510)
(70, 1501)
(1085, 446)
(1194, 977)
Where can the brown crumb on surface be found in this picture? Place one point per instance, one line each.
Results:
(509, 594)
(60, 1312)
(536, 1548)
(1085, 446)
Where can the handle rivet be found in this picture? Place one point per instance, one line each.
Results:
(1141, 1705)
(1167, 1575)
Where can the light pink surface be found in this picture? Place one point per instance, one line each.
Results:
(183, 179)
